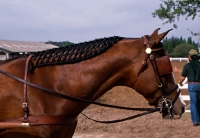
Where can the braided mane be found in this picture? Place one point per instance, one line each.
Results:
(74, 53)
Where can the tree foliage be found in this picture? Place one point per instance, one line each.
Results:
(172, 10)
(182, 50)
(60, 44)
(171, 43)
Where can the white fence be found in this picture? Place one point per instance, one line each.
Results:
(185, 86)
(185, 97)
(179, 59)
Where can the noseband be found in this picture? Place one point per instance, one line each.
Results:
(159, 70)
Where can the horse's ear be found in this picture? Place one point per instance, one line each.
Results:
(155, 33)
(158, 38)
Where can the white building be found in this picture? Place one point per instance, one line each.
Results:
(9, 48)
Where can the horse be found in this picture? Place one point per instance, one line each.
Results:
(83, 71)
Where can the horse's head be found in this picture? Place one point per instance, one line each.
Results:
(155, 74)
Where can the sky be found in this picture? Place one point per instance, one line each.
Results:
(84, 20)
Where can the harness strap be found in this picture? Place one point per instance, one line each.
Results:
(37, 120)
(168, 92)
(153, 63)
(159, 81)
(25, 104)
(144, 63)
(179, 91)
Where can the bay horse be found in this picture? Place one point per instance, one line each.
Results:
(85, 71)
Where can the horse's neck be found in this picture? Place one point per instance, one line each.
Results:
(88, 79)
(108, 70)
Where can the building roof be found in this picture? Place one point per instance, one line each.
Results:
(22, 46)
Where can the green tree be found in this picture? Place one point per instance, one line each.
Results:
(172, 10)
(189, 40)
(173, 42)
(182, 50)
(67, 43)
(60, 44)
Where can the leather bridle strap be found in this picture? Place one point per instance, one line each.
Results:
(37, 120)
(179, 91)
(168, 92)
(25, 104)
(159, 81)
(144, 63)
(153, 63)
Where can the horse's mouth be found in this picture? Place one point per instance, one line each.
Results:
(176, 117)
(166, 116)
(179, 116)
(170, 115)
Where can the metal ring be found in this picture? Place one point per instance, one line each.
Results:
(159, 84)
(25, 104)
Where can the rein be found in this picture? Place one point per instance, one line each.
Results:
(55, 93)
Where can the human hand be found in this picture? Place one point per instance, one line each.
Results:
(180, 83)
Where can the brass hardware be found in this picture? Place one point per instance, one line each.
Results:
(25, 124)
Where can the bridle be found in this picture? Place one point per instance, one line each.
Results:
(163, 106)
(164, 103)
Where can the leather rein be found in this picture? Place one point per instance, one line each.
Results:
(62, 120)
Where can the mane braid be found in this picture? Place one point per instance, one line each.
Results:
(73, 53)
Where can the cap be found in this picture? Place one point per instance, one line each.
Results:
(193, 52)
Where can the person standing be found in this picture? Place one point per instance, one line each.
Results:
(191, 70)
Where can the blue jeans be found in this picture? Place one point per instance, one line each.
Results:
(194, 92)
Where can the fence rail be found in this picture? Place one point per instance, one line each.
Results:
(185, 86)
(178, 59)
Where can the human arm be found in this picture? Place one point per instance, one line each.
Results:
(181, 80)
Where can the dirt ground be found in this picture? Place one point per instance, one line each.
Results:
(148, 126)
